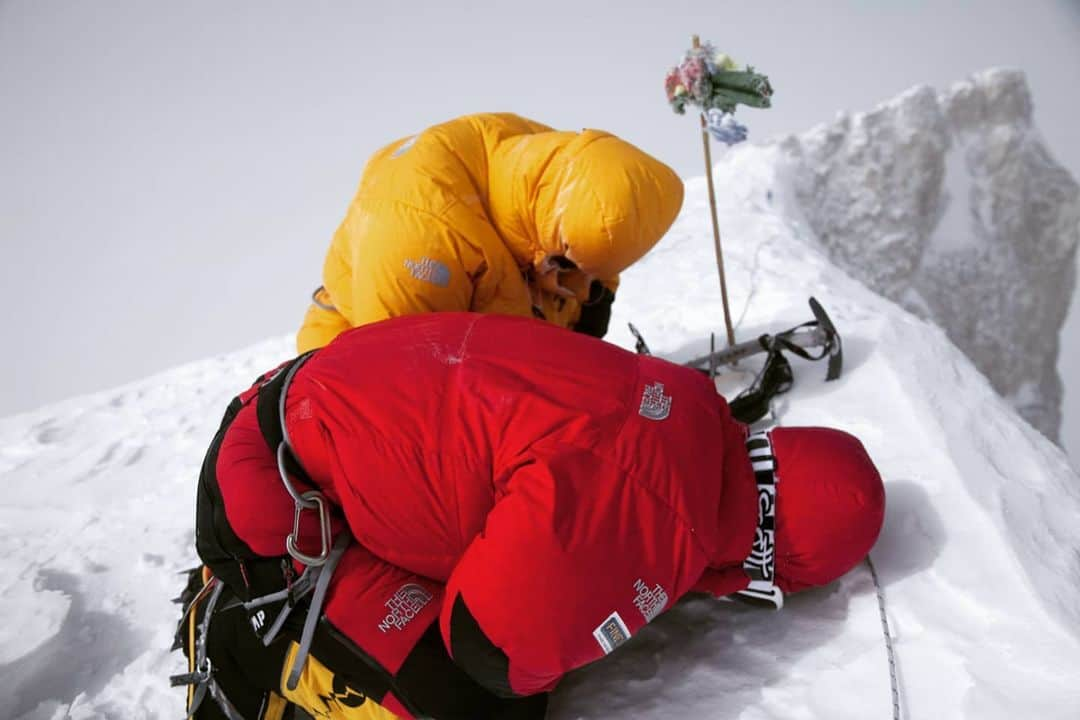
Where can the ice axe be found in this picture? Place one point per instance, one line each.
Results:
(816, 339)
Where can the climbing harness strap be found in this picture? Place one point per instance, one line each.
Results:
(325, 572)
(202, 677)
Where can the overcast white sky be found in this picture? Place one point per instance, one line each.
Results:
(171, 173)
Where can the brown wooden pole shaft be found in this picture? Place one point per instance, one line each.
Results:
(716, 232)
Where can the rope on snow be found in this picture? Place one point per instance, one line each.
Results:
(888, 640)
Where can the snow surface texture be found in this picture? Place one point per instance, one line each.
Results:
(979, 557)
(951, 205)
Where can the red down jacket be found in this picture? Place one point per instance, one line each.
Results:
(519, 483)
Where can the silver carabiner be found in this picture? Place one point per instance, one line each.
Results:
(297, 497)
(310, 500)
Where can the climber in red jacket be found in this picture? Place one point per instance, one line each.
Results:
(493, 502)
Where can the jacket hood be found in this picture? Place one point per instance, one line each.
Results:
(830, 505)
(590, 197)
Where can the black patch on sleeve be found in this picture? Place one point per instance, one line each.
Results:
(476, 654)
(457, 696)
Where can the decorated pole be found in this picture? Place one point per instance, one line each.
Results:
(710, 81)
(716, 226)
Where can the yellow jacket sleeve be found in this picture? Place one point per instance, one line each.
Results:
(407, 262)
(320, 326)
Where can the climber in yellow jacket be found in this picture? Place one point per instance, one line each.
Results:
(493, 213)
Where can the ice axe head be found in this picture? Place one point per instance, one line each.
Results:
(834, 347)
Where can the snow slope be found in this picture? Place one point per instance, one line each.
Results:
(979, 556)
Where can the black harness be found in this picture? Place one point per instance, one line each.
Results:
(260, 584)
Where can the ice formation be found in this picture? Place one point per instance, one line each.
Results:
(951, 205)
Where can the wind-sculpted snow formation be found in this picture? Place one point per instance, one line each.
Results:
(950, 204)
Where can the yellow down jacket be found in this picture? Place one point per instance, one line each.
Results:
(491, 213)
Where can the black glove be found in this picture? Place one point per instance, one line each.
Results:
(596, 312)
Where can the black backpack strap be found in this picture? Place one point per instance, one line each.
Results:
(270, 402)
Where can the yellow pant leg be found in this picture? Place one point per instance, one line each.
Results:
(316, 692)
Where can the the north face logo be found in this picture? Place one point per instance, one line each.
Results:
(650, 602)
(406, 604)
(429, 270)
(655, 405)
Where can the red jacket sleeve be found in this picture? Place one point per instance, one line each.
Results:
(575, 558)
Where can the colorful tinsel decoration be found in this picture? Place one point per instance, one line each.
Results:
(711, 81)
